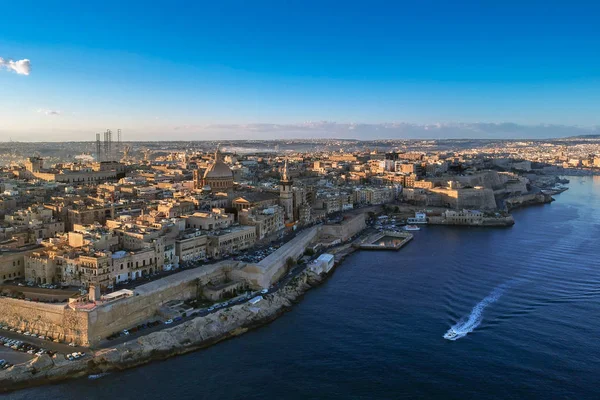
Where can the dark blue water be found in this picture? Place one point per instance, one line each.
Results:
(374, 330)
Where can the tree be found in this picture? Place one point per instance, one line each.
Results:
(290, 262)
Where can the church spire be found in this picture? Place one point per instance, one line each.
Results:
(217, 154)
(284, 176)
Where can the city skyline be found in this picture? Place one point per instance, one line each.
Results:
(427, 70)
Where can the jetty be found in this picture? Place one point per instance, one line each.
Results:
(386, 240)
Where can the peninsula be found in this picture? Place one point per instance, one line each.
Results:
(131, 257)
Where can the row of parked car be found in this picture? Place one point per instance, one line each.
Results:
(257, 255)
(27, 333)
(74, 356)
(141, 327)
(23, 347)
(43, 285)
(135, 329)
(21, 296)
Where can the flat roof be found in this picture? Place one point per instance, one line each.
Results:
(326, 257)
(117, 294)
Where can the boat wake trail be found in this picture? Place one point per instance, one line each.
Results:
(97, 376)
(466, 325)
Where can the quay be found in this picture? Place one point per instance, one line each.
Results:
(386, 240)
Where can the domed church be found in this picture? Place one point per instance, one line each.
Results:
(218, 175)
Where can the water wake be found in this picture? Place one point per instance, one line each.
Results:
(97, 376)
(466, 325)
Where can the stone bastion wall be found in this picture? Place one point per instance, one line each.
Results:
(128, 312)
(89, 325)
(53, 320)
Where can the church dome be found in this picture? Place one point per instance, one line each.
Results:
(218, 170)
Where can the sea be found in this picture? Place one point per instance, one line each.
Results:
(458, 313)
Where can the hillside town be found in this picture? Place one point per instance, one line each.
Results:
(116, 218)
(154, 234)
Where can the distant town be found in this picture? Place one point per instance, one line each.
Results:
(108, 240)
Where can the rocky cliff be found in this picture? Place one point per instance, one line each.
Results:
(527, 200)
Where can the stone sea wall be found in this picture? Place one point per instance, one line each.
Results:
(54, 320)
(90, 326)
(485, 222)
(195, 334)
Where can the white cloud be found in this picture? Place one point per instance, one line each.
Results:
(48, 112)
(21, 67)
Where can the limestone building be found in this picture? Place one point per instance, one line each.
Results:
(266, 221)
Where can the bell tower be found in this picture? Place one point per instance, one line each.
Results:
(285, 194)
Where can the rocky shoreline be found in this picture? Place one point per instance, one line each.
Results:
(198, 333)
(527, 200)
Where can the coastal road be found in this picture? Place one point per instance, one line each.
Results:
(13, 356)
(105, 343)
(294, 272)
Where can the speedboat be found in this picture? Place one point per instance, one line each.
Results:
(451, 334)
(411, 228)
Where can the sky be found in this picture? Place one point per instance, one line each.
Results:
(290, 69)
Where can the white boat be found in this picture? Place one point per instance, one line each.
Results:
(421, 221)
(411, 228)
(451, 334)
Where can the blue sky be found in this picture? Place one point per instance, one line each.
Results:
(200, 70)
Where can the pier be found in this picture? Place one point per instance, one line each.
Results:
(386, 240)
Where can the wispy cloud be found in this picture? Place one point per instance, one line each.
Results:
(391, 130)
(48, 112)
(21, 67)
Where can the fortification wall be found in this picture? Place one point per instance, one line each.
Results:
(347, 228)
(273, 267)
(476, 199)
(487, 179)
(130, 311)
(479, 199)
(57, 321)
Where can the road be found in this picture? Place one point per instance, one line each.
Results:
(105, 343)
(13, 356)
(295, 271)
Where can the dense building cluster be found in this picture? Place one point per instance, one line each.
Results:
(103, 223)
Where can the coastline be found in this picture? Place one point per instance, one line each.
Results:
(192, 335)
(195, 334)
(528, 200)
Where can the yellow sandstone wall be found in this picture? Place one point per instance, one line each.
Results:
(128, 312)
(57, 321)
